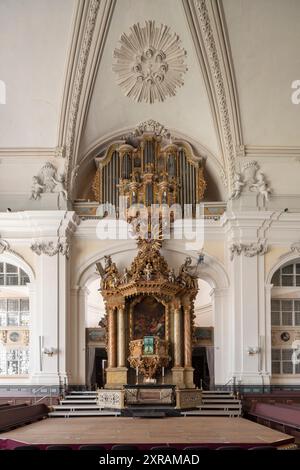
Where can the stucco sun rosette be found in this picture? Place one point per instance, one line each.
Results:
(150, 63)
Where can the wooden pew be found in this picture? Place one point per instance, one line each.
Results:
(15, 416)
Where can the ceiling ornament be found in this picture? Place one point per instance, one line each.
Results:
(150, 63)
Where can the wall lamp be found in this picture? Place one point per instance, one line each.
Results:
(49, 351)
(251, 351)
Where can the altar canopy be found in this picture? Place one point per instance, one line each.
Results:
(149, 300)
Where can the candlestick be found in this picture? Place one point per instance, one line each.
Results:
(137, 375)
(163, 374)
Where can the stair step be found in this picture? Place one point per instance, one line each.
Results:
(66, 414)
(225, 402)
(222, 392)
(211, 413)
(220, 407)
(76, 397)
(77, 402)
(83, 392)
(77, 407)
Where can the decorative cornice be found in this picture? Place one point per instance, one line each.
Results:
(249, 250)
(51, 248)
(79, 77)
(84, 56)
(269, 151)
(207, 24)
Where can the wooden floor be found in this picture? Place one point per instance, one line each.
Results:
(108, 430)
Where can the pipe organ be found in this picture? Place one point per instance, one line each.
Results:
(149, 169)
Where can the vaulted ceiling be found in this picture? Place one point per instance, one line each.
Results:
(62, 95)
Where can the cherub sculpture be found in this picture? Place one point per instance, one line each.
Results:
(238, 184)
(261, 186)
(37, 188)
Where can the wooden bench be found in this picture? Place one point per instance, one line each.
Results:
(15, 416)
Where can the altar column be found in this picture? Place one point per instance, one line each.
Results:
(121, 336)
(116, 373)
(177, 370)
(188, 369)
(112, 338)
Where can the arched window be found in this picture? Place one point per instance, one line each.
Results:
(285, 318)
(14, 321)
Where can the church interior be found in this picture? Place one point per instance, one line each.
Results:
(149, 225)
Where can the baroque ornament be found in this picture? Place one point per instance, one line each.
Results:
(48, 180)
(251, 177)
(249, 250)
(50, 248)
(150, 62)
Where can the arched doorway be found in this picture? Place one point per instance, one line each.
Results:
(96, 355)
(203, 350)
(212, 272)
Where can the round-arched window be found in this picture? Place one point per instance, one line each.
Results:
(285, 318)
(14, 321)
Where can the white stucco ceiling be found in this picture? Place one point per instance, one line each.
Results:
(35, 35)
(264, 38)
(189, 111)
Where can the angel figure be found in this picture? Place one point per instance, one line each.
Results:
(37, 188)
(238, 185)
(171, 276)
(148, 272)
(261, 186)
(60, 186)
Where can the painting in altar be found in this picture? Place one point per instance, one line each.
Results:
(148, 319)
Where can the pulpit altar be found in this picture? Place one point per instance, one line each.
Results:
(148, 356)
(149, 305)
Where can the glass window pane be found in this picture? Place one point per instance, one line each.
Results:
(24, 319)
(287, 305)
(287, 318)
(3, 305)
(13, 319)
(275, 318)
(12, 280)
(3, 319)
(286, 354)
(297, 318)
(288, 269)
(297, 305)
(297, 280)
(276, 356)
(10, 268)
(287, 367)
(297, 368)
(13, 305)
(275, 367)
(24, 305)
(24, 279)
(276, 279)
(1, 267)
(287, 280)
(275, 305)
(298, 268)
(1, 280)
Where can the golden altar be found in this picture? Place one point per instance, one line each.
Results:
(149, 300)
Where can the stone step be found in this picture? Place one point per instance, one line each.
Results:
(83, 392)
(211, 413)
(78, 402)
(220, 407)
(76, 397)
(76, 407)
(73, 414)
(220, 401)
